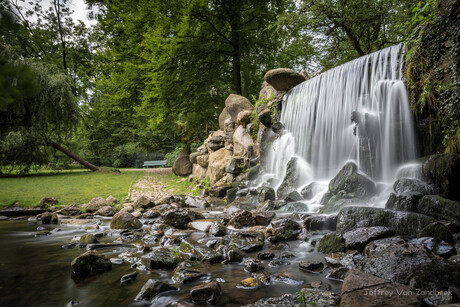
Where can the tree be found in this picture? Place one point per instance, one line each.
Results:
(346, 29)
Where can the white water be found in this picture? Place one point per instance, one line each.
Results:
(318, 126)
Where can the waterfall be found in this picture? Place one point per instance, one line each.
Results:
(358, 111)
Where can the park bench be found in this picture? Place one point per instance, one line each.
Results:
(154, 163)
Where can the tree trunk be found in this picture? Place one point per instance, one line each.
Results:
(75, 157)
(235, 21)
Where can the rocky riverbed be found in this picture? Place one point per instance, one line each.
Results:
(236, 246)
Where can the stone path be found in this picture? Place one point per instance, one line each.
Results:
(152, 185)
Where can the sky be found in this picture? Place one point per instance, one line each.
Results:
(80, 12)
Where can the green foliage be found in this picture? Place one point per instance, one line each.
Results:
(433, 77)
(125, 155)
(172, 156)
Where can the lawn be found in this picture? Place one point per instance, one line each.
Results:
(68, 187)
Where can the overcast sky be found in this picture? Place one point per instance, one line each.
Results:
(80, 12)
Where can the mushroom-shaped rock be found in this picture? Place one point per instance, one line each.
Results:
(283, 79)
(236, 104)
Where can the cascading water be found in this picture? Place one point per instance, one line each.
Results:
(358, 111)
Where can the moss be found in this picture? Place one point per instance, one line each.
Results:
(331, 243)
(88, 239)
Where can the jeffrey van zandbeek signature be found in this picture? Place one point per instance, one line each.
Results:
(403, 292)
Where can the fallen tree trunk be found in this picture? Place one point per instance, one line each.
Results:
(75, 157)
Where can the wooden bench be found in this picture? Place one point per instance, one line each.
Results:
(154, 163)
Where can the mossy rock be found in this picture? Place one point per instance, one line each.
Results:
(349, 180)
(88, 238)
(438, 231)
(49, 218)
(331, 243)
(444, 171)
(90, 264)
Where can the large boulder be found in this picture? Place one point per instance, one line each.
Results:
(199, 172)
(363, 289)
(245, 241)
(106, 211)
(349, 180)
(182, 166)
(403, 223)
(203, 252)
(403, 202)
(224, 115)
(411, 264)
(439, 208)
(241, 142)
(337, 202)
(331, 243)
(358, 238)
(444, 171)
(291, 179)
(412, 185)
(267, 92)
(284, 229)
(125, 220)
(90, 264)
(96, 204)
(236, 104)
(216, 164)
(283, 79)
(144, 202)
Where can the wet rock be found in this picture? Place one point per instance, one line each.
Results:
(444, 171)
(151, 214)
(317, 285)
(407, 263)
(320, 222)
(308, 192)
(283, 79)
(179, 218)
(403, 223)
(186, 273)
(196, 202)
(362, 289)
(439, 208)
(235, 165)
(116, 260)
(266, 193)
(337, 273)
(312, 267)
(287, 300)
(144, 202)
(358, 238)
(88, 239)
(403, 202)
(206, 293)
(125, 220)
(331, 243)
(201, 225)
(252, 265)
(349, 180)
(106, 211)
(250, 282)
(151, 289)
(284, 229)
(285, 278)
(263, 218)
(272, 205)
(245, 241)
(95, 204)
(49, 218)
(70, 210)
(265, 255)
(203, 252)
(441, 298)
(412, 185)
(128, 278)
(291, 179)
(233, 254)
(49, 201)
(79, 222)
(349, 259)
(217, 229)
(42, 233)
(298, 206)
(265, 117)
(242, 218)
(231, 194)
(440, 248)
(438, 231)
(339, 201)
(293, 196)
(90, 264)
(160, 258)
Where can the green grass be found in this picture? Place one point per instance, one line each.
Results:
(179, 185)
(77, 186)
